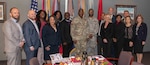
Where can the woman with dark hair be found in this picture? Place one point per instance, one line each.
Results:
(41, 21)
(139, 37)
(118, 36)
(58, 16)
(128, 44)
(51, 39)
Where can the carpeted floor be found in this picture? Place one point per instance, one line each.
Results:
(145, 61)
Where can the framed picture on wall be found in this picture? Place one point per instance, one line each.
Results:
(131, 8)
(2, 11)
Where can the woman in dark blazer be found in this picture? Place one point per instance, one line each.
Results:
(106, 34)
(139, 37)
(51, 39)
(118, 35)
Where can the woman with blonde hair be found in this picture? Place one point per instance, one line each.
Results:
(106, 34)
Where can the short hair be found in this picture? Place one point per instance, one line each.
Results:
(12, 9)
(108, 15)
(91, 9)
(110, 8)
(80, 10)
(103, 13)
(118, 16)
(66, 13)
(126, 11)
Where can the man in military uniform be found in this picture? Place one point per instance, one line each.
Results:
(93, 30)
(79, 32)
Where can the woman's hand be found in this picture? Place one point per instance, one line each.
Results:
(105, 40)
(143, 42)
(114, 40)
(130, 44)
(47, 48)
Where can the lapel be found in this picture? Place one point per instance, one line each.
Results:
(14, 25)
(15, 29)
(32, 26)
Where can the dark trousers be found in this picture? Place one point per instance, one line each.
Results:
(30, 54)
(118, 47)
(66, 49)
(99, 45)
(107, 48)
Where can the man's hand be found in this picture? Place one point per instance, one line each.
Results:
(32, 48)
(21, 44)
(90, 36)
(74, 41)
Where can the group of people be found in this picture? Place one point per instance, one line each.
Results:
(42, 35)
(121, 33)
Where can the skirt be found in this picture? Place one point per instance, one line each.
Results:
(126, 45)
(138, 47)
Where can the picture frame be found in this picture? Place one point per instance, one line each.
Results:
(2, 12)
(131, 8)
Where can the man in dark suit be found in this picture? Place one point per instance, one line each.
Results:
(14, 39)
(113, 20)
(111, 13)
(31, 34)
(66, 37)
(99, 38)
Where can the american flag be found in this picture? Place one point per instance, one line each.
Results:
(34, 5)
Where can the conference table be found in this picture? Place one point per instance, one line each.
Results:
(72, 60)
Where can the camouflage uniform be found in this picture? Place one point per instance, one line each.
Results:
(79, 33)
(93, 29)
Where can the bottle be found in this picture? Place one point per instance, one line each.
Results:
(84, 58)
(92, 63)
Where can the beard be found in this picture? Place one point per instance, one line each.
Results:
(16, 18)
(91, 15)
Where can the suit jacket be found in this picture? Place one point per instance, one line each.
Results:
(107, 32)
(31, 36)
(50, 37)
(65, 31)
(13, 36)
(142, 32)
(119, 29)
(113, 19)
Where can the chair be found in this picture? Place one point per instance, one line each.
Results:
(136, 63)
(125, 58)
(34, 61)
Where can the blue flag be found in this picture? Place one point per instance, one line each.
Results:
(34, 5)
